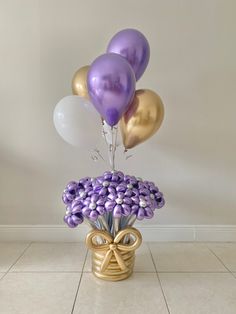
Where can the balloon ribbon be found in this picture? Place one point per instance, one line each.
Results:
(113, 246)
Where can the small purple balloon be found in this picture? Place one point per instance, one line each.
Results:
(149, 213)
(127, 200)
(126, 209)
(101, 201)
(86, 211)
(134, 209)
(70, 222)
(128, 193)
(103, 192)
(93, 215)
(111, 86)
(121, 188)
(141, 214)
(100, 210)
(109, 205)
(65, 199)
(77, 220)
(111, 190)
(76, 209)
(117, 211)
(134, 47)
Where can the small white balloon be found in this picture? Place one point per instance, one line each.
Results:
(77, 122)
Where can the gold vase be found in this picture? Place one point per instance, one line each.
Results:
(113, 258)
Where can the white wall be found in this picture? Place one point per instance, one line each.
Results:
(192, 67)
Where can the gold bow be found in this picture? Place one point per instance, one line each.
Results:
(113, 245)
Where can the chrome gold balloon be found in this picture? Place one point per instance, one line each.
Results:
(143, 118)
(79, 82)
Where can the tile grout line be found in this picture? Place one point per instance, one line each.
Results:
(158, 278)
(231, 272)
(166, 272)
(46, 271)
(14, 263)
(77, 291)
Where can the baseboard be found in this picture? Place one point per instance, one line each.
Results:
(159, 233)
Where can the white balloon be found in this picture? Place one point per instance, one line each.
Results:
(108, 134)
(77, 122)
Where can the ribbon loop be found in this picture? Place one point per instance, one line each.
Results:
(113, 246)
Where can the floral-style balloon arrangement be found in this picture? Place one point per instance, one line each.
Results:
(104, 94)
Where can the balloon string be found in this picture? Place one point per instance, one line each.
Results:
(111, 146)
(112, 149)
(99, 154)
(107, 143)
(95, 155)
(114, 144)
(127, 156)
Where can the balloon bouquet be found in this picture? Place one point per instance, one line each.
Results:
(112, 202)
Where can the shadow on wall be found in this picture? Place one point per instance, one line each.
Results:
(195, 187)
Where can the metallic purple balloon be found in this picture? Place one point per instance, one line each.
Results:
(128, 193)
(128, 201)
(109, 205)
(73, 220)
(101, 201)
(126, 210)
(117, 213)
(141, 214)
(71, 223)
(111, 86)
(93, 215)
(134, 47)
(148, 213)
(111, 190)
(121, 188)
(101, 210)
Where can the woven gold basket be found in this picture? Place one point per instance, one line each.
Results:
(114, 258)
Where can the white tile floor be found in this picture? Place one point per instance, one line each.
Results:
(176, 278)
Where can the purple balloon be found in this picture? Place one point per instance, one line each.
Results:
(93, 215)
(126, 209)
(111, 190)
(65, 199)
(127, 200)
(109, 205)
(117, 211)
(77, 220)
(103, 192)
(70, 222)
(121, 188)
(94, 197)
(100, 210)
(149, 213)
(128, 193)
(86, 211)
(134, 209)
(111, 86)
(141, 214)
(101, 201)
(134, 47)
(76, 209)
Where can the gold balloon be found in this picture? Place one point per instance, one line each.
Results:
(79, 82)
(143, 118)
